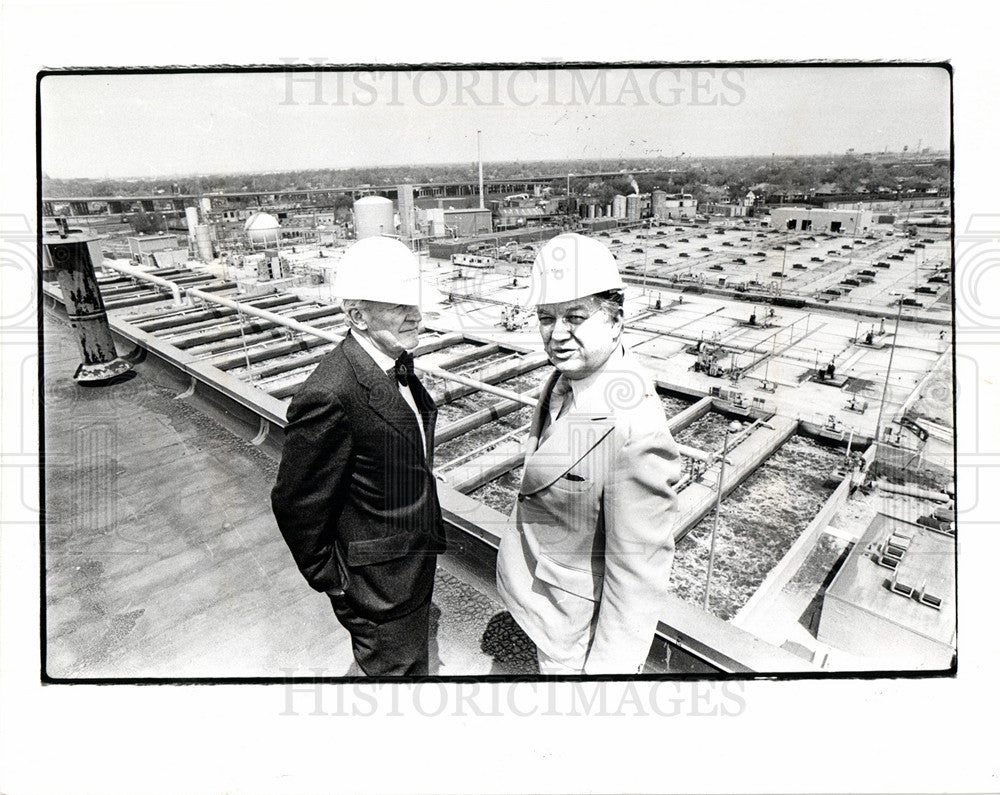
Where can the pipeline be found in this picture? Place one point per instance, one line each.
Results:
(304, 328)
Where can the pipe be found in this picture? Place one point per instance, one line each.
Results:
(305, 328)
(138, 273)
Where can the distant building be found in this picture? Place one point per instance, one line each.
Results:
(725, 209)
(141, 247)
(511, 217)
(667, 206)
(811, 219)
(468, 222)
(454, 222)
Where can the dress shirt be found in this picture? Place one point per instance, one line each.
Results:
(386, 362)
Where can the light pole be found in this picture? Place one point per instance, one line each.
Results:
(733, 427)
(645, 259)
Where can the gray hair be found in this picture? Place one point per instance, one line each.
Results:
(612, 303)
(347, 304)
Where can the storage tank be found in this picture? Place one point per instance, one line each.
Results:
(204, 249)
(262, 229)
(192, 219)
(373, 216)
(618, 204)
(405, 194)
(660, 205)
(632, 207)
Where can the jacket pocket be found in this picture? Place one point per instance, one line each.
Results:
(379, 550)
(581, 582)
(572, 483)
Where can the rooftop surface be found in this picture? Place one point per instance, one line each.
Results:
(163, 558)
(929, 560)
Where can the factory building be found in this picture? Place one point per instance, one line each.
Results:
(468, 222)
(142, 247)
(811, 219)
(667, 206)
(454, 222)
(512, 217)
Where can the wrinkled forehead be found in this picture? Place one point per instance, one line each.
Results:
(383, 308)
(586, 304)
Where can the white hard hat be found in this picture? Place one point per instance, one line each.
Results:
(379, 269)
(572, 266)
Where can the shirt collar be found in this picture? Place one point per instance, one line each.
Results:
(382, 360)
(591, 394)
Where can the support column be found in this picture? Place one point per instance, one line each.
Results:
(70, 257)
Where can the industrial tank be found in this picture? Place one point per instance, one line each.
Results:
(203, 244)
(373, 216)
(262, 229)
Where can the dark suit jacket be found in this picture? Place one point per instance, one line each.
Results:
(355, 498)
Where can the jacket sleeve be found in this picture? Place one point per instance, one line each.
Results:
(640, 507)
(308, 492)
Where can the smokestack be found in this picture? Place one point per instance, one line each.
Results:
(479, 146)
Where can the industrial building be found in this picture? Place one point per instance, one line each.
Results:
(668, 206)
(141, 245)
(813, 219)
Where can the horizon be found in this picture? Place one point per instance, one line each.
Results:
(449, 164)
(164, 125)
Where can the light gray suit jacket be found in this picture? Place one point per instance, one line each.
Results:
(584, 562)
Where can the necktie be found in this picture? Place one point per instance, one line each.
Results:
(402, 370)
(564, 390)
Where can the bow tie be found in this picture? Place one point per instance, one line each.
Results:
(402, 370)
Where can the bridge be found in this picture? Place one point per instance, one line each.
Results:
(294, 198)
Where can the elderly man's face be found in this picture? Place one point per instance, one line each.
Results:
(578, 335)
(393, 328)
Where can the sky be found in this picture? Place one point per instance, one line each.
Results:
(137, 125)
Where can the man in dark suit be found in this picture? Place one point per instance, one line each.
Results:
(355, 498)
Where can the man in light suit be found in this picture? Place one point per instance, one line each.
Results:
(355, 498)
(583, 565)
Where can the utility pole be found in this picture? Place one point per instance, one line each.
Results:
(479, 146)
(885, 384)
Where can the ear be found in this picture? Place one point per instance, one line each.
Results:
(618, 324)
(357, 319)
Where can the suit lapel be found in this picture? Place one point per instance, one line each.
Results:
(570, 439)
(541, 414)
(428, 414)
(383, 394)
